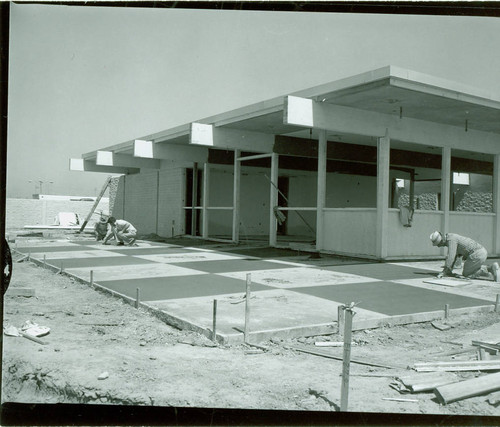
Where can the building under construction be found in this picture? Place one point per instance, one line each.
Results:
(366, 166)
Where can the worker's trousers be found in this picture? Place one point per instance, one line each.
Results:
(474, 262)
(128, 238)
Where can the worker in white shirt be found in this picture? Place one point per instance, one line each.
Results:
(122, 231)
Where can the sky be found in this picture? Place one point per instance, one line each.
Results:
(85, 78)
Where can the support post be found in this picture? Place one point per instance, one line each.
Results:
(383, 163)
(496, 203)
(206, 186)
(445, 190)
(236, 197)
(321, 196)
(194, 199)
(247, 308)
(346, 359)
(273, 200)
(214, 322)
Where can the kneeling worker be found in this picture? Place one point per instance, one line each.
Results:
(473, 254)
(123, 232)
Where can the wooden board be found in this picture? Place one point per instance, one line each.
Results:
(448, 281)
(469, 388)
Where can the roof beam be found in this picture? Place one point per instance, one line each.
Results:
(309, 113)
(230, 139)
(108, 158)
(81, 165)
(165, 151)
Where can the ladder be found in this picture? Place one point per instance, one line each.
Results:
(106, 183)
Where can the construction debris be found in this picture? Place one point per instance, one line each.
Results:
(416, 383)
(468, 388)
(469, 365)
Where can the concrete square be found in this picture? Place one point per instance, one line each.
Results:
(136, 272)
(392, 298)
(223, 266)
(381, 271)
(94, 262)
(131, 250)
(82, 253)
(187, 257)
(59, 247)
(294, 310)
(296, 277)
(167, 288)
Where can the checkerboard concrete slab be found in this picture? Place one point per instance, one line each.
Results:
(392, 298)
(295, 277)
(132, 250)
(294, 311)
(175, 287)
(137, 272)
(60, 247)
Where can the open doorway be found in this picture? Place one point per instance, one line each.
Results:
(188, 217)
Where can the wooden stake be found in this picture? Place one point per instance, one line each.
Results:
(214, 323)
(91, 277)
(137, 297)
(44, 261)
(344, 392)
(497, 304)
(247, 307)
(446, 311)
(340, 318)
(62, 268)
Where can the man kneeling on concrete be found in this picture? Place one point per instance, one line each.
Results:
(473, 254)
(122, 231)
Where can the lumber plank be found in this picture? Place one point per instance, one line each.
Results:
(469, 365)
(468, 388)
(330, 356)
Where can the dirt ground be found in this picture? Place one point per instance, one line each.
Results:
(103, 351)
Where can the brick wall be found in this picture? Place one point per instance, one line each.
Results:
(21, 212)
(151, 208)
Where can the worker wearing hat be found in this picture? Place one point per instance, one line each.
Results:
(473, 254)
(101, 228)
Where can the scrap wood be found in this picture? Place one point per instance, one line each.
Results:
(396, 399)
(416, 383)
(359, 362)
(494, 346)
(32, 338)
(468, 388)
(455, 352)
(441, 326)
(469, 365)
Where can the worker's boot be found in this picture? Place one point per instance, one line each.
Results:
(495, 269)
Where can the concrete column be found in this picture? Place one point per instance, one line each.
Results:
(157, 200)
(194, 199)
(206, 186)
(236, 197)
(445, 190)
(383, 163)
(273, 200)
(321, 197)
(496, 203)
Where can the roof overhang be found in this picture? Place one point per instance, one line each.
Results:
(388, 98)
